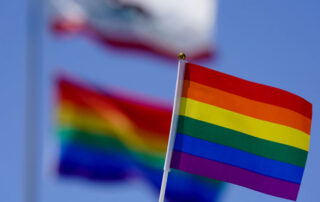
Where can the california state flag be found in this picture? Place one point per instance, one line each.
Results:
(164, 27)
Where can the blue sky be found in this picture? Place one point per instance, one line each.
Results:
(272, 42)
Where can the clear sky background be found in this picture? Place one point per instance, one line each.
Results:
(275, 42)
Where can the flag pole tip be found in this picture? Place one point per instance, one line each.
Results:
(182, 56)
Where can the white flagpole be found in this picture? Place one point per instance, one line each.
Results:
(173, 128)
(33, 66)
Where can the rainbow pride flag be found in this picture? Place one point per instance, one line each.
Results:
(242, 132)
(106, 136)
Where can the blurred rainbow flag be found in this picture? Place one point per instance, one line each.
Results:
(107, 136)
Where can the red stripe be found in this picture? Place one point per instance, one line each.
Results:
(150, 117)
(248, 89)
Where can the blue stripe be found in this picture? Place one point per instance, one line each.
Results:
(235, 157)
(91, 163)
(87, 162)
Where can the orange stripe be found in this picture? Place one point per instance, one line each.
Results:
(246, 106)
(70, 116)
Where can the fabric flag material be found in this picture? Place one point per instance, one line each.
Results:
(163, 27)
(242, 132)
(108, 136)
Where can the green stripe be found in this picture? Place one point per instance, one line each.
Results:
(109, 144)
(244, 142)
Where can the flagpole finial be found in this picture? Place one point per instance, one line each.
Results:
(182, 56)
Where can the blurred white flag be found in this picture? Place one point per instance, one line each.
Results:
(165, 27)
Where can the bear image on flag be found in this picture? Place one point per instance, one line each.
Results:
(161, 27)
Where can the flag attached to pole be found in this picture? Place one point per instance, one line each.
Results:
(161, 27)
(241, 132)
(108, 136)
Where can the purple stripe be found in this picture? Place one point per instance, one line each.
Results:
(219, 171)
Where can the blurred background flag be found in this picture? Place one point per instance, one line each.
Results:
(107, 136)
(163, 27)
(242, 132)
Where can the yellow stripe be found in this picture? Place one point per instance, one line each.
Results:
(245, 124)
(132, 137)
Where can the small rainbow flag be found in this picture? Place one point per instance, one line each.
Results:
(242, 132)
(106, 136)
